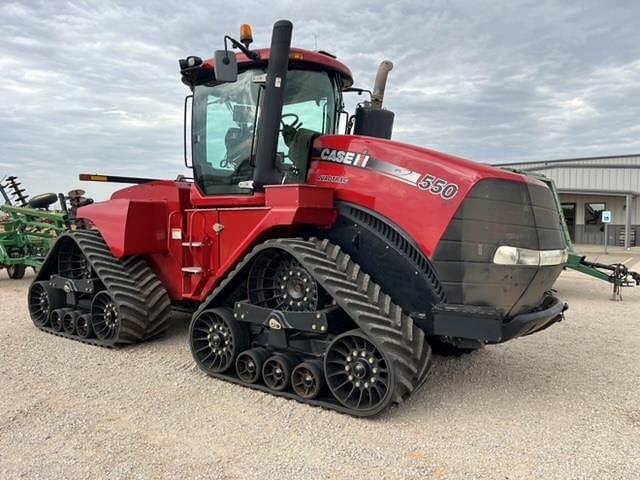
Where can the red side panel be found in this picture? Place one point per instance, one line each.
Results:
(286, 208)
(130, 227)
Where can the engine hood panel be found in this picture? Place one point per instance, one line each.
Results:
(418, 188)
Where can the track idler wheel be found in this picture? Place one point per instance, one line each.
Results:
(276, 371)
(105, 316)
(69, 321)
(358, 373)
(57, 318)
(84, 327)
(43, 299)
(249, 364)
(307, 379)
(216, 339)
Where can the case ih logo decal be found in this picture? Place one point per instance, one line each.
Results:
(348, 158)
(429, 183)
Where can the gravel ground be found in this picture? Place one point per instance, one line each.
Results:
(563, 403)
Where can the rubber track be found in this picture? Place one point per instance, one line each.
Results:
(392, 330)
(141, 299)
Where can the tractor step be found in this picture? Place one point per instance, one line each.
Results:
(192, 244)
(192, 270)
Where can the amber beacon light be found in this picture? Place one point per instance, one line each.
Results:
(246, 34)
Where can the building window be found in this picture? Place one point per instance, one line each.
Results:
(593, 216)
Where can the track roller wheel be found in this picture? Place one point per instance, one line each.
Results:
(216, 339)
(84, 327)
(358, 373)
(57, 317)
(105, 316)
(307, 379)
(249, 364)
(276, 371)
(42, 301)
(69, 321)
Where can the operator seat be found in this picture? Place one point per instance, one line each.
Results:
(300, 144)
(237, 141)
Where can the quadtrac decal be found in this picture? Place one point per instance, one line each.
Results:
(332, 179)
(426, 182)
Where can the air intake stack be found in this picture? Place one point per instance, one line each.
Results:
(371, 119)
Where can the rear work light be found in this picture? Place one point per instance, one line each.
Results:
(506, 255)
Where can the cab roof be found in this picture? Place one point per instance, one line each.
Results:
(298, 58)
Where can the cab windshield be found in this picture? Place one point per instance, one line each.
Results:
(225, 121)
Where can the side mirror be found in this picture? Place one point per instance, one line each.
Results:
(226, 66)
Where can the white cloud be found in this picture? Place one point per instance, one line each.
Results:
(95, 85)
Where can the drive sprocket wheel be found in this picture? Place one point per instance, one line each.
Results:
(216, 339)
(358, 373)
(279, 281)
(105, 316)
(72, 263)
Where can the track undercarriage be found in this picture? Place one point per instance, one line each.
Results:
(307, 324)
(84, 293)
(296, 318)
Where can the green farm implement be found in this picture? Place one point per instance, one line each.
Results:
(28, 228)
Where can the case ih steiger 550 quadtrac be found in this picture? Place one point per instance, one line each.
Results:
(323, 267)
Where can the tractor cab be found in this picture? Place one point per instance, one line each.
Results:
(243, 110)
(225, 126)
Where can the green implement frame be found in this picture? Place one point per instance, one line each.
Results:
(617, 273)
(27, 233)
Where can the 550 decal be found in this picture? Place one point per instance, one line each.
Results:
(430, 183)
(438, 186)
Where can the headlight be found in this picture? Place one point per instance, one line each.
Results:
(506, 255)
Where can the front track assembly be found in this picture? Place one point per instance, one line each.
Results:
(85, 293)
(311, 327)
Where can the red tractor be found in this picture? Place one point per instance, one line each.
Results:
(320, 266)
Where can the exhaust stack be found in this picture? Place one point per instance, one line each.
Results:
(371, 119)
(265, 172)
(381, 82)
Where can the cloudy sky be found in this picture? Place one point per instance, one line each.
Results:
(93, 86)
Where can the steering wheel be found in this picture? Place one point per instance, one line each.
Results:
(293, 124)
(289, 130)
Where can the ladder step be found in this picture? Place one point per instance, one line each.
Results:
(192, 269)
(192, 244)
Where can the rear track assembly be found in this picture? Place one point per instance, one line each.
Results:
(121, 301)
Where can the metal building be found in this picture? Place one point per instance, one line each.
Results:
(589, 186)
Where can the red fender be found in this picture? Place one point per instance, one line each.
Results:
(130, 227)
